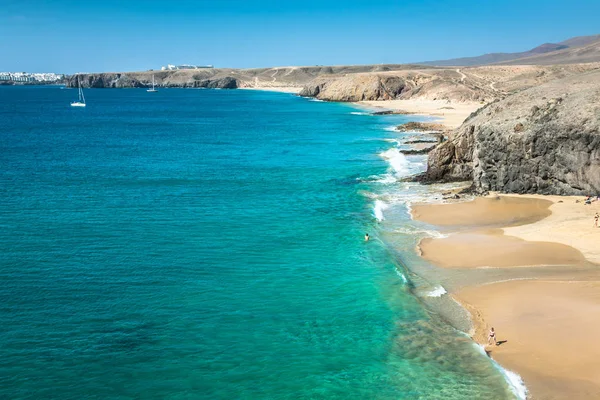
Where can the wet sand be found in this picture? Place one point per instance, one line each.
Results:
(550, 318)
(484, 212)
(550, 330)
(494, 249)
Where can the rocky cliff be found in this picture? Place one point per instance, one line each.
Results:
(226, 78)
(144, 79)
(543, 140)
(439, 84)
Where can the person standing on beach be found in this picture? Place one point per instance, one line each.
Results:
(596, 217)
(492, 336)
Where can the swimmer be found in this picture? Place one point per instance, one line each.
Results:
(366, 237)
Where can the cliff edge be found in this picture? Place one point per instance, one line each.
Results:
(544, 140)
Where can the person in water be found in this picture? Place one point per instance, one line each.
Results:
(492, 336)
(366, 237)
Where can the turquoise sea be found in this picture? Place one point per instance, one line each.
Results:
(208, 244)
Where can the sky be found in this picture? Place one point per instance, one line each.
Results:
(71, 36)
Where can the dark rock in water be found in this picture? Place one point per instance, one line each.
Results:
(420, 127)
(387, 112)
(424, 150)
(392, 112)
(554, 150)
(418, 141)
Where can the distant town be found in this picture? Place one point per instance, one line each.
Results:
(9, 78)
(171, 67)
(26, 77)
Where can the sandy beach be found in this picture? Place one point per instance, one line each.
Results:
(450, 114)
(546, 323)
(550, 330)
(282, 89)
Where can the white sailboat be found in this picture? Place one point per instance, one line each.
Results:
(81, 100)
(152, 90)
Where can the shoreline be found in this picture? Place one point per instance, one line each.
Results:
(278, 89)
(451, 114)
(532, 306)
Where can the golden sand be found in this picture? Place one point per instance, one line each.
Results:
(550, 329)
(484, 212)
(548, 326)
(493, 249)
(450, 114)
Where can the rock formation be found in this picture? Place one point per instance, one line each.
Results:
(141, 80)
(439, 84)
(543, 140)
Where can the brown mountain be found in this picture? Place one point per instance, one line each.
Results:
(575, 50)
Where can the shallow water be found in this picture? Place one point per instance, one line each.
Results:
(209, 244)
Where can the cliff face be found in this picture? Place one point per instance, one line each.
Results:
(356, 88)
(429, 84)
(144, 79)
(543, 140)
(225, 78)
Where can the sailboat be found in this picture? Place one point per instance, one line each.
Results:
(81, 100)
(152, 90)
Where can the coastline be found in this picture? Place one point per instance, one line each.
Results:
(279, 89)
(543, 289)
(448, 113)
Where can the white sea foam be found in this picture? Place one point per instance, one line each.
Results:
(515, 383)
(514, 380)
(390, 128)
(397, 161)
(386, 179)
(315, 99)
(378, 209)
(401, 275)
(369, 195)
(438, 291)
(359, 113)
(425, 232)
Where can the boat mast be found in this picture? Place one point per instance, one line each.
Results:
(81, 98)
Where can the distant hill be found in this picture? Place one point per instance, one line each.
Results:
(575, 50)
(571, 55)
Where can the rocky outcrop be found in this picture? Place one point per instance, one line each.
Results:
(397, 85)
(543, 140)
(143, 80)
(356, 87)
(420, 127)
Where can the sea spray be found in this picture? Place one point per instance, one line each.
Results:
(378, 209)
(438, 291)
(397, 161)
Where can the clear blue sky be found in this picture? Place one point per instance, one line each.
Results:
(127, 35)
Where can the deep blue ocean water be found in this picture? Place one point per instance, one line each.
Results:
(208, 244)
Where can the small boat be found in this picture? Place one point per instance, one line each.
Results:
(152, 90)
(81, 101)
